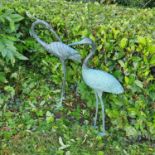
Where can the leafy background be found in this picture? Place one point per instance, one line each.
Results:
(29, 89)
(129, 3)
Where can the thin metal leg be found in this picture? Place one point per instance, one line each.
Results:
(95, 119)
(63, 82)
(103, 115)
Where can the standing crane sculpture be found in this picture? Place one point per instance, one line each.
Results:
(100, 81)
(58, 49)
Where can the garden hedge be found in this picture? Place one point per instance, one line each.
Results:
(125, 41)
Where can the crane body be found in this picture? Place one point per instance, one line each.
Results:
(110, 84)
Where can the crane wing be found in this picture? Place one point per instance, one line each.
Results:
(64, 51)
(102, 81)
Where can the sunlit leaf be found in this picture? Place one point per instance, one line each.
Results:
(123, 42)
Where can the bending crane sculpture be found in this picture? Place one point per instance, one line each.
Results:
(98, 80)
(58, 49)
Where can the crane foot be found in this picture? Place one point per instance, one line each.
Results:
(102, 134)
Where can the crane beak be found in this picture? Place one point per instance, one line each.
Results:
(76, 43)
(85, 40)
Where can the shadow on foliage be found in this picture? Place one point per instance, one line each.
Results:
(129, 3)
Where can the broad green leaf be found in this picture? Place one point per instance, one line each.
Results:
(14, 75)
(2, 77)
(12, 26)
(63, 146)
(123, 42)
(3, 51)
(121, 63)
(10, 90)
(100, 153)
(139, 83)
(127, 80)
(152, 49)
(131, 131)
(49, 117)
(20, 56)
(141, 40)
(8, 50)
(49, 114)
(152, 61)
(16, 17)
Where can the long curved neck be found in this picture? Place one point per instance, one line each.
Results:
(44, 44)
(92, 52)
(36, 36)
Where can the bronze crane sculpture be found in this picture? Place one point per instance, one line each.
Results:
(100, 81)
(58, 49)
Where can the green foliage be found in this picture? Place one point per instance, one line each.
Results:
(133, 3)
(139, 3)
(30, 89)
(8, 35)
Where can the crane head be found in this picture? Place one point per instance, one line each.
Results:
(83, 41)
